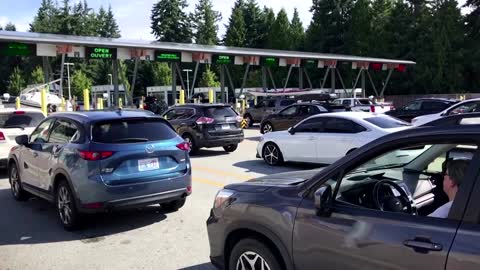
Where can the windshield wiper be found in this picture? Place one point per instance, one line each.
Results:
(131, 140)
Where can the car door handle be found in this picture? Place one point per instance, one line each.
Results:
(422, 244)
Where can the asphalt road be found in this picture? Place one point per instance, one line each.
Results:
(149, 238)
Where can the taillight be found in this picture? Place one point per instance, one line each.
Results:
(185, 146)
(372, 108)
(204, 120)
(89, 155)
(189, 189)
(2, 136)
(19, 112)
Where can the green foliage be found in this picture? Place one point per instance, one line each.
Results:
(297, 32)
(37, 76)
(236, 31)
(205, 23)
(209, 79)
(79, 82)
(10, 27)
(280, 38)
(170, 23)
(16, 82)
(253, 17)
(266, 26)
(162, 74)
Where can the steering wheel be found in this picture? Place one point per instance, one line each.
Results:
(393, 203)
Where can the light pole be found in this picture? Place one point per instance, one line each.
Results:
(110, 76)
(188, 81)
(68, 78)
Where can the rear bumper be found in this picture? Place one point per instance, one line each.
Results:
(148, 199)
(206, 140)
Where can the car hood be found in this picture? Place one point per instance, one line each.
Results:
(263, 183)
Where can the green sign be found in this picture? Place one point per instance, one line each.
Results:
(101, 53)
(269, 61)
(223, 59)
(309, 63)
(168, 56)
(17, 49)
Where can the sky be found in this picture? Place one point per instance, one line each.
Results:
(133, 16)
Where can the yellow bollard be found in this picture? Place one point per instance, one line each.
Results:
(243, 106)
(120, 103)
(99, 103)
(210, 96)
(17, 103)
(182, 97)
(140, 106)
(43, 101)
(86, 100)
(62, 105)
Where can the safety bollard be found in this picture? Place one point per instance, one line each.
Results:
(182, 97)
(17, 103)
(141, 105)
(86, 100)
(43, 101)
(99, 104)
(62, 105)
(120, 103)
(243, 106)
(210, 96)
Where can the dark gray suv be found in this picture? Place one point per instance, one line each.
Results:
(373, 209)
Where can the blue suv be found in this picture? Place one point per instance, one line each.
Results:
(88, 162)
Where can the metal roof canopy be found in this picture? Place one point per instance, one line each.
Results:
(30, 37)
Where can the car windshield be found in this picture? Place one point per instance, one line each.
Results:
(131, 131)
(20, 119)
(386, 122)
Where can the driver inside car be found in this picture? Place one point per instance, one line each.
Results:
(452, 180)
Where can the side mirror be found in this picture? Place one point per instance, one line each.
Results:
(22, 140)
(323, 197)
(291, 130)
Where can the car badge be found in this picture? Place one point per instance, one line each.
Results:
(150, 148)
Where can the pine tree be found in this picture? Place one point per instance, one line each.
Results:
(169, 21)
(472, 76)
(209, 79)
(280, 34)
(359, 29)
(206, 20)
(101, 20)
(236, 31)
(16, 82)
(266, 26)
(252, 16)
(46, 20)
(162, 74)
(10, 27)
(297, 32)
(380, 13)
(37, 76)
(111, 26)
(80, 81)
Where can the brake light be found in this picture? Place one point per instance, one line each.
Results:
(89, 155)
(372, 108)
(2, 136)
(19, 112)
(189, 189)
(204, 120)
(185, 146)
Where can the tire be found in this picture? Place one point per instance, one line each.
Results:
(16, 185)
(193, 146)
(173, 206)
(66, 207)
(272, 155)
(249, 120)
(252, 249)
(266, 128)
(230, 148)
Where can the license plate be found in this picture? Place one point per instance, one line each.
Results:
(148, 164)
(226, 126)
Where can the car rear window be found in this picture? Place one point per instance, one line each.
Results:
(220, 112)
(386, 122)
(364, 101)
(132, 131)
(20, 119)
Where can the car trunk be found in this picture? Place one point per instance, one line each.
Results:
(225, 121)
(138, 151)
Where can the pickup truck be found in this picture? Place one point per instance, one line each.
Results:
(363, 105)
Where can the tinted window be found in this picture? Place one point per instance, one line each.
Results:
(64, 132)
(131, 131)
(414, 106)
(386, 122)
(338, 125)
(311, 125)
(467, 107)
(40, 134)
(286, 102)
(27, 119)
(271, 103)
(307, 110)
(289, 111)
(179, 114)
(346, 102)
(363, 101)
(434, 106)
(220, 112)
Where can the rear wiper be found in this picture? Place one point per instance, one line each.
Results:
(132, 140)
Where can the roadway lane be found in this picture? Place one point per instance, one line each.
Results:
(150, 238)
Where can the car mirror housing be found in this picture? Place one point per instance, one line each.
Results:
(291, 130)
(22, 140)
(323, 197)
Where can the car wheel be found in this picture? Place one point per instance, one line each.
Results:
(253, 255)
(173, 206)
(249, 120)
(189, 139)
(231, 148)
(66, 207)
(272, 154)
(16, 186)
(266, 127)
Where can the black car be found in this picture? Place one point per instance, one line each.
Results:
(295, 113)
(421, 107)
(369, 210)
(207, 125)
(151, 103)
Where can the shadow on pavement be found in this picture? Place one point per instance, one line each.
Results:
(209, 153)
(35, 221)
(255, 139)
(259, 166)
(203, 266)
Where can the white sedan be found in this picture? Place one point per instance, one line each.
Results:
(467, 106)
(326, 138)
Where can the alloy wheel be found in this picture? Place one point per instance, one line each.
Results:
(64, 205)
(267, 128)
(252, 261)
(271, 154)
(15, 182)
